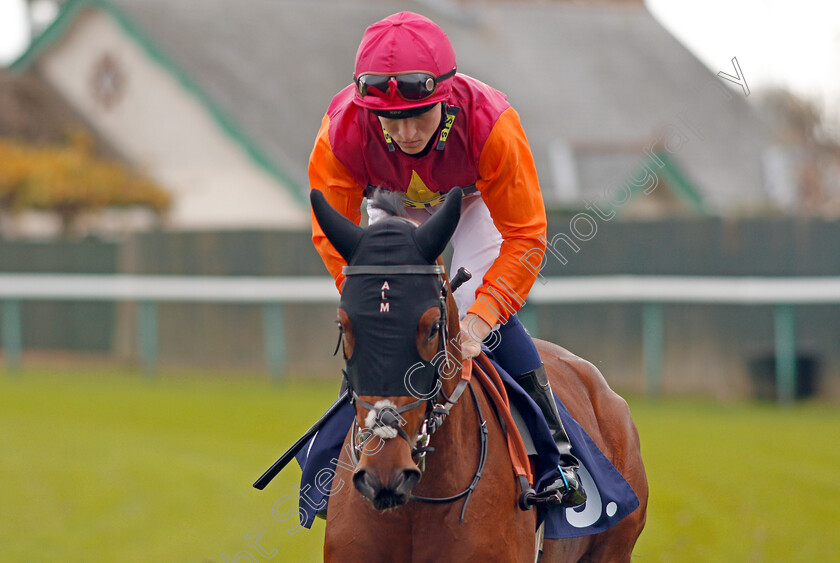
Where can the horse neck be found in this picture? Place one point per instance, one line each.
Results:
(453, 327)
(462, 421)
(456, 443)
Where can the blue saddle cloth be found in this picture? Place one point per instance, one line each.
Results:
(609, 497)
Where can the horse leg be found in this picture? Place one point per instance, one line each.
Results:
(565, 551)
(612, 546)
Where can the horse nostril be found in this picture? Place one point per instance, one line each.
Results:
(405, 481)
(366, 483)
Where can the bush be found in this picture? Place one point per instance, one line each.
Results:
(69, 179)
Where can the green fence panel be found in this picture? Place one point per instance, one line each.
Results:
(12, 332)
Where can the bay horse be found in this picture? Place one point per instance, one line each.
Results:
(404, 373)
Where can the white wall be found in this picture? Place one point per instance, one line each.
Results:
(167, 132)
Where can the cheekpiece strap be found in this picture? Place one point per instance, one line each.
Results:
(435, 269)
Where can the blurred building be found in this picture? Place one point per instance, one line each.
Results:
(30, 109)
(132, 93)
(220, 101)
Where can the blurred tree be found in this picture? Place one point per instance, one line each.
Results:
(69, 180)
(801, 125)
(801, 120)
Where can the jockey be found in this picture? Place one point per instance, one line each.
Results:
(409, 123)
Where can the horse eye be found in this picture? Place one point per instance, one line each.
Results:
(340, 337)
(434, 329)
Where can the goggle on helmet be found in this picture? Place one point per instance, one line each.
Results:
(404, 62)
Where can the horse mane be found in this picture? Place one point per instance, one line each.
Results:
(388, 201)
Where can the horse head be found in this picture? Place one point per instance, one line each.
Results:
(395, 313)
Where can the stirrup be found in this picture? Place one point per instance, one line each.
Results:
(529, 499)
(573, 494)
(569, 492)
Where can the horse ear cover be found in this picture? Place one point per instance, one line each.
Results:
(340, 231)
(431, 237)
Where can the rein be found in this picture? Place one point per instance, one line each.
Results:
(482, 459)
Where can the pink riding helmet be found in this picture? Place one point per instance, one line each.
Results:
(404, 61)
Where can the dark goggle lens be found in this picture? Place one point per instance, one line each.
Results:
(412, 87)
(416, 86)
(373, 85)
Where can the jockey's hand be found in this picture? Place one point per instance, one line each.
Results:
(473, 332)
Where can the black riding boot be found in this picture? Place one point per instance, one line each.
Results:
(565, 480)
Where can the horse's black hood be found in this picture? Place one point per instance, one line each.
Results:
(385, 307)
(384, 311)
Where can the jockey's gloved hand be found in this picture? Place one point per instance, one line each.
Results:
(473, 332)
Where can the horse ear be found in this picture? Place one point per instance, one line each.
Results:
(341, 231)
(431, 237)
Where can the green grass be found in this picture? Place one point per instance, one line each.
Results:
(100, 466)
(114, 467)
(740, 482)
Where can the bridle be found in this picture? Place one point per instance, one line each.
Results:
(387, 421)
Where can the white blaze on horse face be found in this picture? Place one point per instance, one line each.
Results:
(384, 432)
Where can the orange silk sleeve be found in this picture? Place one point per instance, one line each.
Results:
(331, 177)
(510, 188)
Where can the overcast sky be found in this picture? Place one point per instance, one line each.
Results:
(792, 43)
(13, 31)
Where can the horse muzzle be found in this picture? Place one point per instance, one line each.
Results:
(392, 494)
